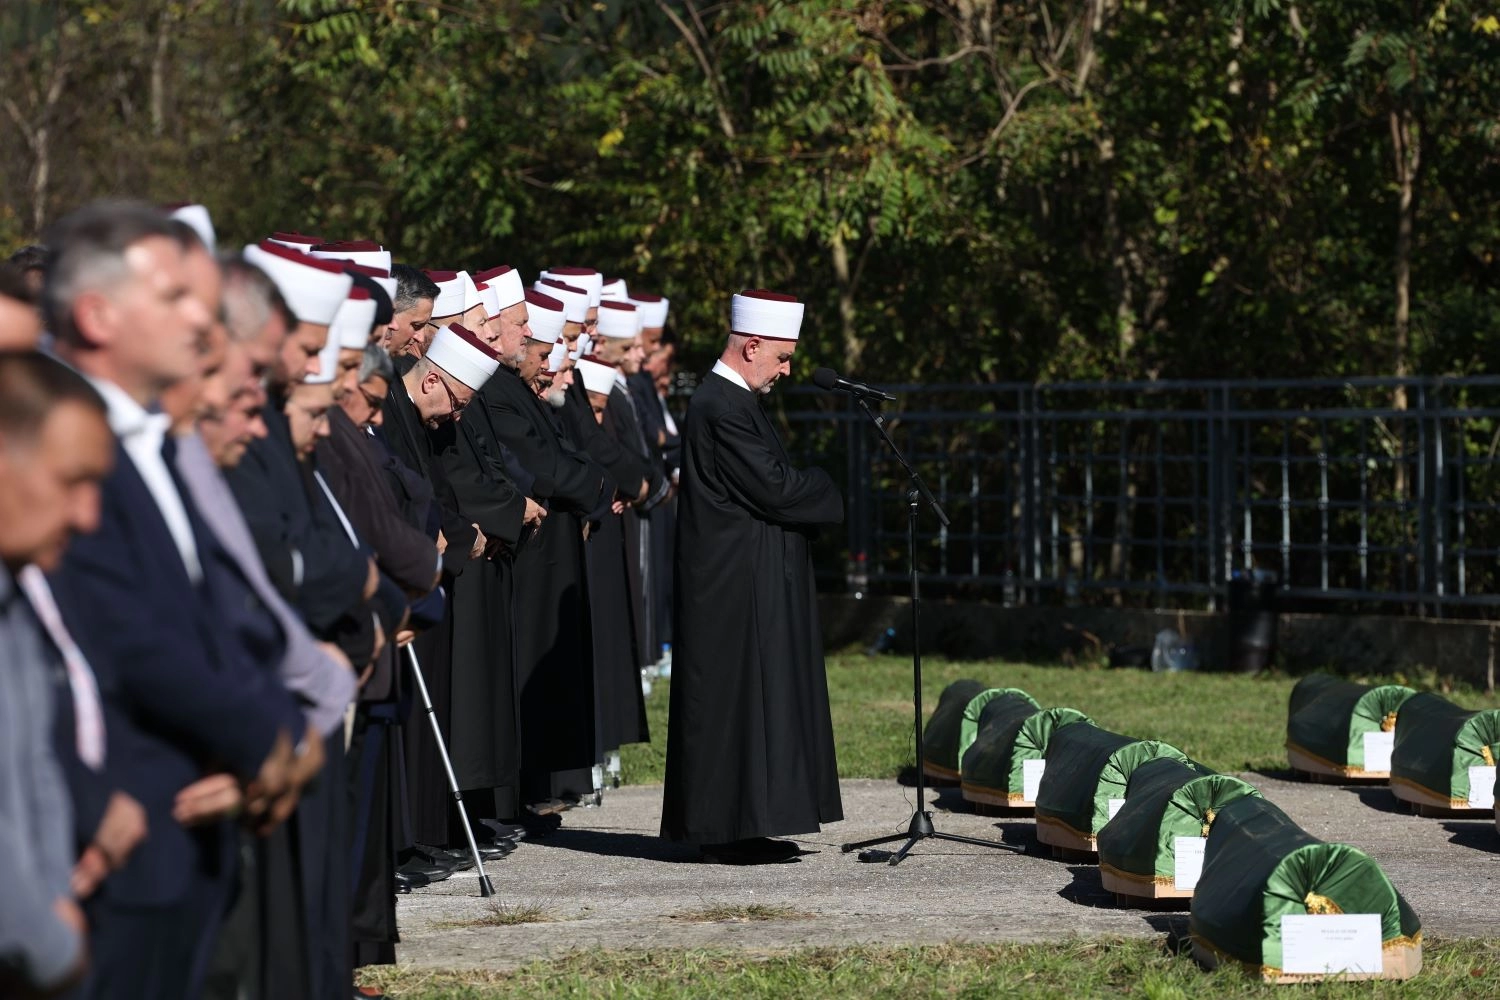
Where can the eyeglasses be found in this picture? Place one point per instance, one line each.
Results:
(453, 402)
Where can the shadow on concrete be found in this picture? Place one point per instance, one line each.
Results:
(950, 800)
(1279, 774)
(1175, 926)
(1377, 798)
(612, 844)
(1021, 835)
(1086, 889)
(1480, 834)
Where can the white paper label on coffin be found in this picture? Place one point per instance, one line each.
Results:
(1187, 862)
(1115, 805)
(1482, 787)
(1318, 944)
(1031, 778)
(1378, 747)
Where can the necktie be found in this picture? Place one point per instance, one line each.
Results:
(88, 714)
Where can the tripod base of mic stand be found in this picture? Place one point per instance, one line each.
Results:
(919, 829)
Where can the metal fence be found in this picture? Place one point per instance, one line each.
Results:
(1356, 492)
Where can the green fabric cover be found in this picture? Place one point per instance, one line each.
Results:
(1259, 866)
(1329, 717)
(997, 758)
(968, 729)
(1086, 767)
(1165, 799)
(1437, 742)
(940, 736)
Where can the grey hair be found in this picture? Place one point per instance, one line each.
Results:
(376, 363)
(88, 255)
(251, 298)
(411, 287)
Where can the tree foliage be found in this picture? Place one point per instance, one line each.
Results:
(968, 189)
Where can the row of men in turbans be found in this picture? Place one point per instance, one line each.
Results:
(258, 511)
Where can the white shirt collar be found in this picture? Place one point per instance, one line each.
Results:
(127, 418)
(620, 379)
(724, 371)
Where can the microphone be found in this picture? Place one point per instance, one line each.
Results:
(827, 378)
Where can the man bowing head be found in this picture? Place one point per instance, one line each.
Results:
(750, 744)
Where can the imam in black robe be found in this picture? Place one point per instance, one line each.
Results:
(750, 739)
(553, 640)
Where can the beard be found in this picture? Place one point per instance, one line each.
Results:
(556, 397)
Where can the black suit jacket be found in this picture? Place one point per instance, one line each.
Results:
(285, 517)
(181, 688)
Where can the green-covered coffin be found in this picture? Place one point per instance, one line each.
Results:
(1327, 719)
(968, 729)
(1086, 768)
(1166, 799)
(940, 737)
(993, 771)
(1437, 742)
(1260, 866)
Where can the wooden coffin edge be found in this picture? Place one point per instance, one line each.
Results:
(1319, 769)
(1125, 883)
(939, 774)
(1401, 958)
(1430, 803)
(1063, 839)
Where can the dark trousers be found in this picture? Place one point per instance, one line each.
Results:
(160, 951)
(320, 833)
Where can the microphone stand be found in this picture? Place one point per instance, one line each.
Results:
(920, 827)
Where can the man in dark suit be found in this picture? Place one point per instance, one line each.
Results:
(145, 596)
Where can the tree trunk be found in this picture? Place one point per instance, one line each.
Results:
(1406, 144)
(853, 346)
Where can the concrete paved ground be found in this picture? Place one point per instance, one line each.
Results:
(606, 881)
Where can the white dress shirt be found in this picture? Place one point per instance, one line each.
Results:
(720, 368)
(142, 433)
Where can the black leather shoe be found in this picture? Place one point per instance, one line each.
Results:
(748, 852)
(407, 881)
(493, 831)
(431, 872)
(440, 857)
(541, 826)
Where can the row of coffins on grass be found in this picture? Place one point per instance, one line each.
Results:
(1165, 827)
(1438, 757)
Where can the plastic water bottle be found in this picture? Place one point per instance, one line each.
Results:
(664, 665)
(883, 644)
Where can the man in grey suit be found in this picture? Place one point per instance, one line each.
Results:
(55, 447)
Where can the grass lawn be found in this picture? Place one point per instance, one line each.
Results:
(1228, 721)
(1132, 968)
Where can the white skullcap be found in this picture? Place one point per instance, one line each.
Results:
(490, 298)
(351, 324)
(618, 320)
(614, 290)
(197, 216)
(456, 292)
(545, 317)
(314, 289)
(464, 356)
(589, 280)
(653, 310)
(363, 252)
(584, 349)
(295, 240)
(506, 281)
(575, 300)
(328, 362)
(759, 313)
(381, 276)
(555, 357)
(597, 376)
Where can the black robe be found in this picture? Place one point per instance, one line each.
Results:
(750, 739)
(622, 423)
(553, 642)
(485, 716)
(619, 702)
